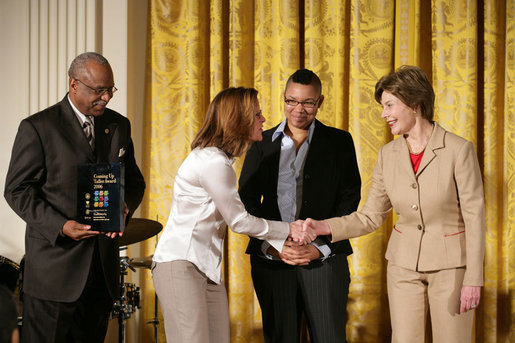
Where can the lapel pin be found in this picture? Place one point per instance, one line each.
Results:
(106, 131)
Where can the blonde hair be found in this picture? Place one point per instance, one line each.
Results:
(229, 121)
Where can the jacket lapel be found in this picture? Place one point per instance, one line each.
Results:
(104, 131)
(72, 130)
(401, 150)
(318, 148)
(435, 143)
(274, 156)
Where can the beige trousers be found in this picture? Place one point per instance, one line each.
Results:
(195, 309)
(411, 294)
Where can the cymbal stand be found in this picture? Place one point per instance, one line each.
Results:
(155, 321)
(120, 307)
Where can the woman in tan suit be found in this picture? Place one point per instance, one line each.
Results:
(431, 178)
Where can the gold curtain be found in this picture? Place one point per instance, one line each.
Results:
(467, 47)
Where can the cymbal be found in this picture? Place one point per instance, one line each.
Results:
(138, 230)
(141, 262)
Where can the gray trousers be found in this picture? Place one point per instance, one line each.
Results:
(194, 308)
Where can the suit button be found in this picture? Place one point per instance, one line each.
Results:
(414, 185)
(419, 227)
(306, 176)
(414, 207)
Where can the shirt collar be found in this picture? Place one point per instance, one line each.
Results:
(280, 130)
(80, 116)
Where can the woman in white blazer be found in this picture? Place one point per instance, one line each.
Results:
(188, 257)
(431, 179)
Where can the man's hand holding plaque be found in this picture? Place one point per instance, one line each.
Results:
(119, 233)
(78, 231)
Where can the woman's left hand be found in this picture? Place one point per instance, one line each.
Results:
(469, 299)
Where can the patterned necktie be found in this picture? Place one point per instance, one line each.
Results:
(88, 131)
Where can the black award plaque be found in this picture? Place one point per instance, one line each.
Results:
(100, 191)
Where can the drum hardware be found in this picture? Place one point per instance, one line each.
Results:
(128, 304)
(9, 273)
(141, 262)
(146, 262)
(155, 320)
(11, 276)
(128, 301)
(137, 230)
(132, 296)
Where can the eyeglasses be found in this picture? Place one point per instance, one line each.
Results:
(100, 91)
(305, 104)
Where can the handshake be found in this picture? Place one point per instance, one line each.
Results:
(305, 231)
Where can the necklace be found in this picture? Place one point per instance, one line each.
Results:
(416, 151)
(420, 148)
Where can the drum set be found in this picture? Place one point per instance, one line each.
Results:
(11, 277)
(138, 230)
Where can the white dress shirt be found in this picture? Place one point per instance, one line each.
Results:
(81, 117)
(205, 200)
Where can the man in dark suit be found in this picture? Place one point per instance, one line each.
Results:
(71, 273)
(302, 168)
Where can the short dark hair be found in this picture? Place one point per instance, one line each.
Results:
(8, 314)
(411, 85)
(305, 77)
(79, 63)
(229, 121)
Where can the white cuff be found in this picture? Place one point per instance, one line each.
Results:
(323, 247)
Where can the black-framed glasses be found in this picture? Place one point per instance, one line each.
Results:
(305, 104)
(100, 91)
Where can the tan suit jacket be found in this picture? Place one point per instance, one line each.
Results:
(440, 209)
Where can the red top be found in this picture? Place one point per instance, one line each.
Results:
(415, 160)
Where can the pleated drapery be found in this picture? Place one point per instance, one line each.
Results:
(467, 47)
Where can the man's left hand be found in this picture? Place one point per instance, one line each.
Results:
(125, 212)
(119, 233)
(113, 234)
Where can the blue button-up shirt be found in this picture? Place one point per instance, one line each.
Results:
(290, 181)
